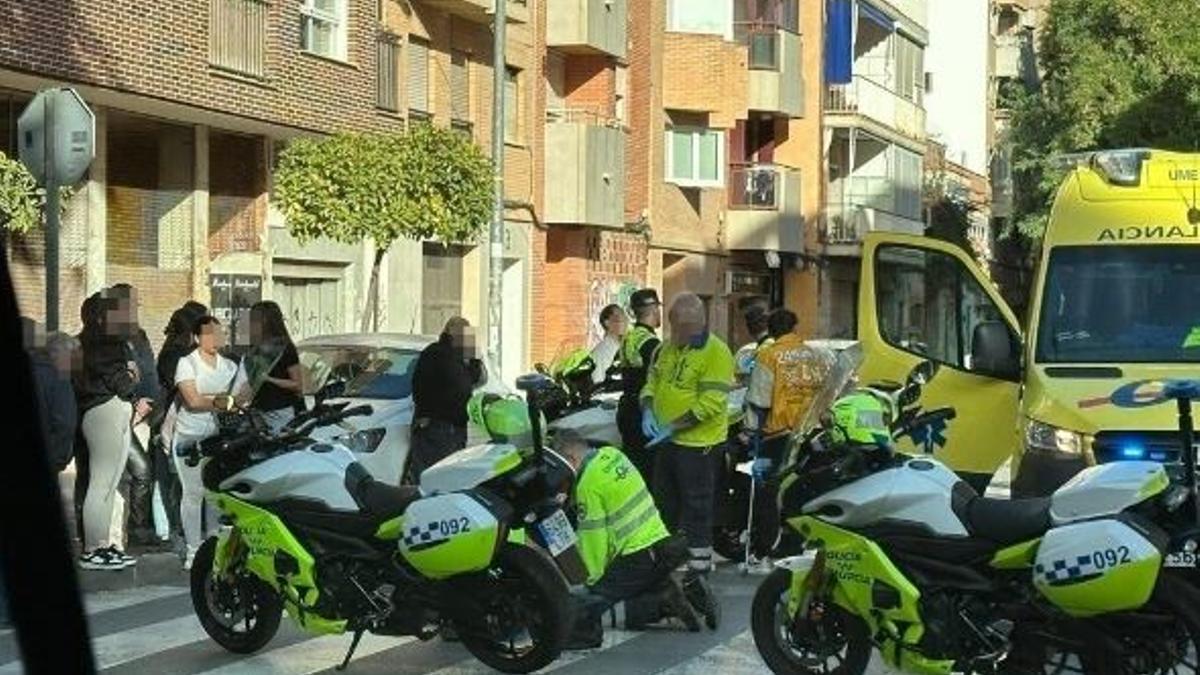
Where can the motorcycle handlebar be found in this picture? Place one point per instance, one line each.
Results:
(248, 441)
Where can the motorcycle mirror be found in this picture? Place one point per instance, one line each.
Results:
(333, 389)
(541, 368)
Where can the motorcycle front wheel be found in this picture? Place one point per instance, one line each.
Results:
(526, 613)
(241, 612)
(836, 644)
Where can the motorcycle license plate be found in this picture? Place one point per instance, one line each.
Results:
(557, 533)
(1181, 559)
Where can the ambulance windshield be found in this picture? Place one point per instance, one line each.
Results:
(1121, 304)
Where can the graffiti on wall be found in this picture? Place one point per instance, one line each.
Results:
(604, 292)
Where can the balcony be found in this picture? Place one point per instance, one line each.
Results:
(846, 226)
(866, 99)
(587, 26)
(774, 58)
(586, 155)
(764, 209)
(481, 11)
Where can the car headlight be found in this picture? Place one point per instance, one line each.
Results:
(364, 440)
(1049, 438)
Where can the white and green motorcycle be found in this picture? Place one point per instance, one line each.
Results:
(307, 530)
(903, 557)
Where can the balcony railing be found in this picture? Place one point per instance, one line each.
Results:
(868, 98)
(754, 187)
(238, 36)
(848, 224)
(763, 44)
(581, 116)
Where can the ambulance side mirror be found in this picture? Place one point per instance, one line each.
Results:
(995, 351)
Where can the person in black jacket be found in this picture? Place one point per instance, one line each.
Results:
(446, 374)
(50, 358)
(106, 389)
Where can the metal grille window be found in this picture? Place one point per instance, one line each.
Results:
(237, 31)
(418, 76)
(323, 28)
(512, 105)
(460, 87)
(387, 66)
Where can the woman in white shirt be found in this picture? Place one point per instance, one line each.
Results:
(207, 383)
(614, 322)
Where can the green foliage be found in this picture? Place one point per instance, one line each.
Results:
(424, 183)
(20, 199)
(1117, 73)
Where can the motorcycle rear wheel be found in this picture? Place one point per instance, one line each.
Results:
(787, 645)
(222, 605)
(531, 602)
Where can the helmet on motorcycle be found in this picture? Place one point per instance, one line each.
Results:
(574, 369)
(860, 418)
(505, 419)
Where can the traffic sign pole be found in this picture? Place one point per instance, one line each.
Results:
(53, 224)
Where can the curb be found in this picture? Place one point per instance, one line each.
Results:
(153, 569)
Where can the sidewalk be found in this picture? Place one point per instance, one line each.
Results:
(153, 569)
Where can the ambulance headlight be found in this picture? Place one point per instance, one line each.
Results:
(1049, 438)
(1120, 167)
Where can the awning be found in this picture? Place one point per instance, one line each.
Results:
(839, 42)
(872, 13)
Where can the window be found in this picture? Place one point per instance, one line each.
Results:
(695, 157)
(908, 170)
(910, 69)
(238, 35)
(460, 88)
(387, 95)
(930, 304)
(418, 77)
(323, 28)
(512, 105)
(714, 17)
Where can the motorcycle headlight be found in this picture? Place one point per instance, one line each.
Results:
(364, 440)
(1049, 438)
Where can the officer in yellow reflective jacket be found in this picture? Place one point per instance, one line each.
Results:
(625, 546)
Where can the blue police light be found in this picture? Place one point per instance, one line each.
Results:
(1133, 451)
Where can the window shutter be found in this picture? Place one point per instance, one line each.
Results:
(418, 76)
(460, 87)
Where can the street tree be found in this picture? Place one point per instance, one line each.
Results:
(426, 183)
(20, 199)
(1116, 73)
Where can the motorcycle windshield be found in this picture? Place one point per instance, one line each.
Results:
(842, 361)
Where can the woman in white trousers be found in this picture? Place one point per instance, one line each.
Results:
(207, 383)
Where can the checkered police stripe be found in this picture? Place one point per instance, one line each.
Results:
(1063, 571)
(418, 536)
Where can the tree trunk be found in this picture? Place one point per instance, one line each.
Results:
(370, 322)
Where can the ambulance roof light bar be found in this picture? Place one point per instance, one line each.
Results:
(1120, 167)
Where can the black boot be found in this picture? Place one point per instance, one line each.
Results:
(701, 597)
(676, 603)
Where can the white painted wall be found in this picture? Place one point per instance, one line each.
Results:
(957, 56)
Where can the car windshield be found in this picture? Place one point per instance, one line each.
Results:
(368, 372)
(1122, 304)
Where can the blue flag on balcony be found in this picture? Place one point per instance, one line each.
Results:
(838, 41)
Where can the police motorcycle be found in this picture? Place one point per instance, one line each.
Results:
(306, 529)
(902, 556)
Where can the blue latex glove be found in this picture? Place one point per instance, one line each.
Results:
(664, 434)
(650, 428)
(761, 469)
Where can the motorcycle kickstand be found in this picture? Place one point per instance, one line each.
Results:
(353, 646)
(745, 566)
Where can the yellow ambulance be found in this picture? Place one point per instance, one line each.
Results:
(1115, 311)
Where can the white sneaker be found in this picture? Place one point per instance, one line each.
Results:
(119, 555)
(187, 561)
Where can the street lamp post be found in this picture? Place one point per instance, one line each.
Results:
(496, 235)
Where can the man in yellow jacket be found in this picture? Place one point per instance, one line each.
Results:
(685, 414)
(628, 553)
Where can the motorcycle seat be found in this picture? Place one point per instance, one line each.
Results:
(1007, 521)
(377, 499)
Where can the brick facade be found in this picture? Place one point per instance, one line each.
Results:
(161, 50)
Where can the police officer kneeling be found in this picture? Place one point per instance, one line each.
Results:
(625, 546)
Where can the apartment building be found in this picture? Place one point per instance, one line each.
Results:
(875, 138)
(194, 100)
